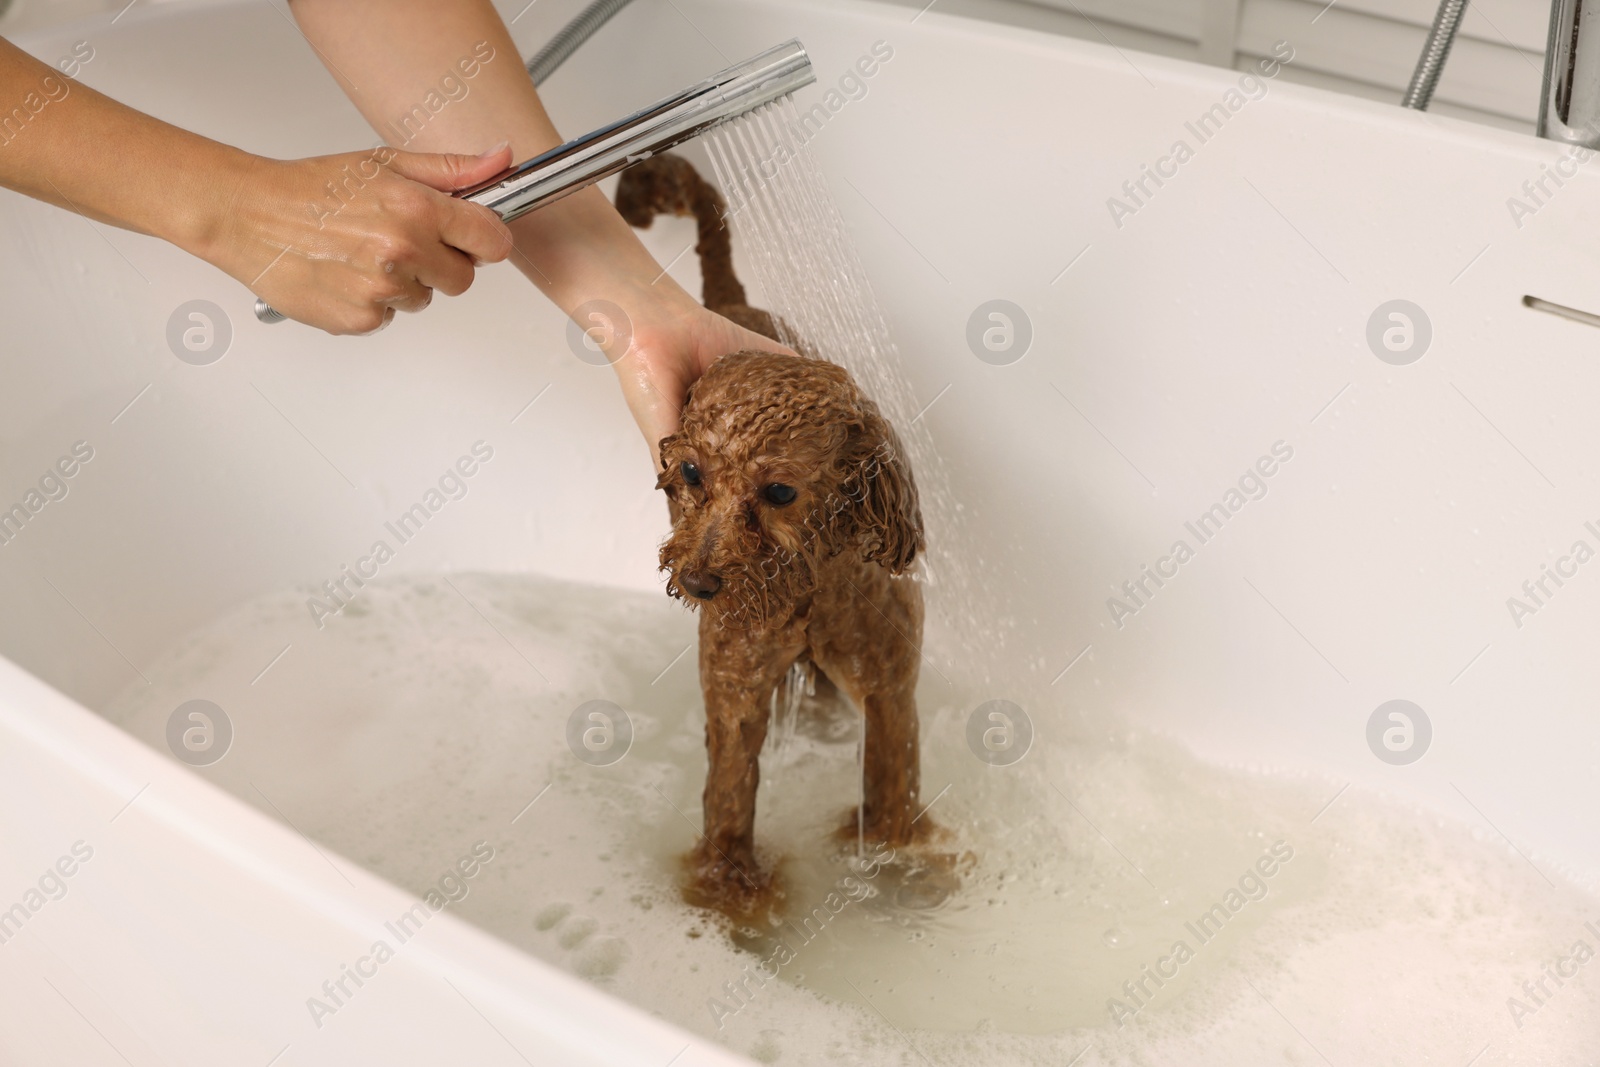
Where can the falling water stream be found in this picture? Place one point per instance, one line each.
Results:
(788, 228)
(811, 277)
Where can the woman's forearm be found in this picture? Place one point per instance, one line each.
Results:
(341, 242)
(417, 69)
(64, 143)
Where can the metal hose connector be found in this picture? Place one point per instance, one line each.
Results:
(571, 37)
(1446, 21)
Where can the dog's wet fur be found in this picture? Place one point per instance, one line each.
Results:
(795, 529)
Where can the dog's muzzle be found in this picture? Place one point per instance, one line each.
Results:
(701, 585)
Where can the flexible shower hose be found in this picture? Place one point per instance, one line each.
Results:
(1437, 49)
(571, 37)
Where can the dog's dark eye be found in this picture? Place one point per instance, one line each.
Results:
(691, 473)
(778, 494)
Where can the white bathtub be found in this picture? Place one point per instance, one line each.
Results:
(1227, 313)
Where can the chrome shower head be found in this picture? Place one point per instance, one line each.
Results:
(581, 162)
(740, 89)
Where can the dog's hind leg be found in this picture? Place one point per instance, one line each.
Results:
(891, 769)
(873, 650)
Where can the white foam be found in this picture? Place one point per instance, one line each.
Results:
(413, 725)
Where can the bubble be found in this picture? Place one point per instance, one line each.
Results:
(603, 958)
(924, 891)
(576, 932)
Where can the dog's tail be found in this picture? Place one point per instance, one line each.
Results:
(669, 185)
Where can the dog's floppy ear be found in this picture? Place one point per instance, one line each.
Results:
(664, 467)
(665, 480)
(883, 496)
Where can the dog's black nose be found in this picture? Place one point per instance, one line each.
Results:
(699, 584)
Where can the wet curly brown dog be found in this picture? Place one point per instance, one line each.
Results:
(795, 523)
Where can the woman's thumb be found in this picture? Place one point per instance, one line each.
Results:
(449, 171)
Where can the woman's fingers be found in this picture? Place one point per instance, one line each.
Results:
(342, 242)
(475, 230)
(446, 270)
(409, 294)
(384, 317)
(449, 171)
(471, 228)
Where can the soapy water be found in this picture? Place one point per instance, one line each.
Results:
(433, 713)
(1109, 899)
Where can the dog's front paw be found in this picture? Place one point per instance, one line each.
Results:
(730, 881)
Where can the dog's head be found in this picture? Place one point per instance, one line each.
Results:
(780, 463)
